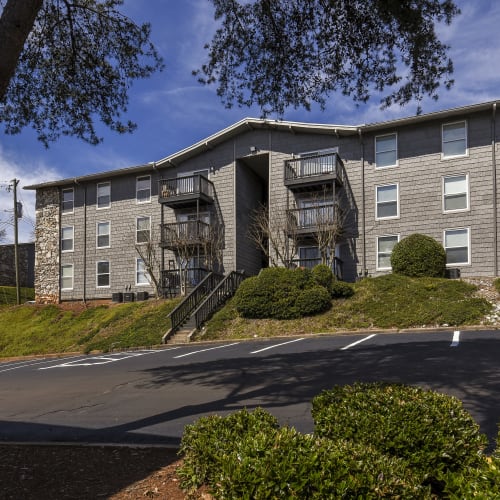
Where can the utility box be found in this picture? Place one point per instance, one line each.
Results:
(128, 297)
(452, 273)
(142, 295)
(117, 297)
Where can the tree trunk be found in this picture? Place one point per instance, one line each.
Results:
(15, 25)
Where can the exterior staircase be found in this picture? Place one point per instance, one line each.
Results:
(211, 294)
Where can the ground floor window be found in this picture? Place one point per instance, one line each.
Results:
(309, 257)
(456, 245)
(141, 275)
(103, 274)
(385, 245)
(67, 277)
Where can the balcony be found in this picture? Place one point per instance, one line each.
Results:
(337, 265)
(186, 233)
(186, 191)
(313, 172)
(308, 220)
(172, 279)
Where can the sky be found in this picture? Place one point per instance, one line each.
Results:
(173, 111)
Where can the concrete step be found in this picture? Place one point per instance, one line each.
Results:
(181, 337)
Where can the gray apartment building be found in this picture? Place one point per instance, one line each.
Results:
(338, 194)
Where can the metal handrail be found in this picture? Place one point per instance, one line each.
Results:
(190, 231)
(337, 264)
(310, 217)
(183, 311)
(190, 184)
(308, 166)
(219, 295)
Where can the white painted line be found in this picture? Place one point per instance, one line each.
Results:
(358, 342)
(204, 350)
(456, 339)
(29, 364)
(276, 345)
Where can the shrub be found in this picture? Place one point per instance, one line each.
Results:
(323, 275)
(341, 290)
(313, 301)
(431, 431)
(496, 283)
(209, 439)
(418, 255)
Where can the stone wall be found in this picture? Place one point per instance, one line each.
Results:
(26, 253)
(47, 246)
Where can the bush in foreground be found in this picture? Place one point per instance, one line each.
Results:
(418, 255)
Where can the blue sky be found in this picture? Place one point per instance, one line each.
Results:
(173, 111)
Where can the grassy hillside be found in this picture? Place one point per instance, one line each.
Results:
(8, 295)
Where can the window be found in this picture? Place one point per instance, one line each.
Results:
(386, 150)
(103, 234)
(387, 201)
(104, 195)
(68, 200)
(143, 229)
(141, 275)
(143, 189)
(309, 257)
(455, 193)
(103, 274)
(385, 245)
(67, 277)
(456, 245)
(454, 139)
(67, 236)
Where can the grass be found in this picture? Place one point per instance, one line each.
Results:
(34, 329)
(8, 295)
(390, 301)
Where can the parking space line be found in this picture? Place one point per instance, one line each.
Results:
(28, 364)
(204, 350)
(358, 342)
(456, 339)
(276, 345)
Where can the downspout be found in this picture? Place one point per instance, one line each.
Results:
(364, 269)
(494, 182)
(84, 243)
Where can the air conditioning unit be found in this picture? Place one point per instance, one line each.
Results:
(128, 297)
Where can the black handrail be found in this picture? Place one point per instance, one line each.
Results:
(219, 295)
(190, 184)
(308, 166)
(337, 265)
(184, 232)
(311, 217)
(182, 312)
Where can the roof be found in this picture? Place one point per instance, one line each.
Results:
(259, 123)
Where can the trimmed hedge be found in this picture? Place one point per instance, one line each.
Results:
(341, 290)
(323, 275)
(418, 255)
(431, 431)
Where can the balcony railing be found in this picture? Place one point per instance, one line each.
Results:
(310, 219)
(190, 232)
(313, 169)
(171, 279)
(310, 263)
(180, 191)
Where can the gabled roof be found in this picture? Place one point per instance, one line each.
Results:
(258, 123)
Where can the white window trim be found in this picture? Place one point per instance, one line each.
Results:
(97, 274)
(137, 283)
(72, 276)
(397, 201)
(395, 134)
(97, 234)
(62, 197)
(137, 230)
(463, 155)
(469, 252)
(141, 202)
(467, 193)
(377, 253)
(97, 196)
(72, 239)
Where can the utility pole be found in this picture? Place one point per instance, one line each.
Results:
(15, 182)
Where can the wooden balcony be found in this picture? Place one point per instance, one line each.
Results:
(313, 172)
(186, 191)
(186, 233)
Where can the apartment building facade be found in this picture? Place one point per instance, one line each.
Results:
(434, 174)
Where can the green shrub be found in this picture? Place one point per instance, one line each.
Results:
(496, 283)
(206, 442)
(287, 464)
(341, 290)
(313, 301)
(323, 275)
(274, 294)
(431, 431)
(418, 255)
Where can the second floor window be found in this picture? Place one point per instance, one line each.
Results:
(387, 201)
(454, 139)
(143, 229)
(103, 234)
(68, 201)
(455, 193)
(386, 150)
(143, 189)
(104, 195)
(67, 237)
